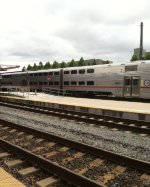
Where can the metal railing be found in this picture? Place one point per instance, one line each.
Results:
(52, 91)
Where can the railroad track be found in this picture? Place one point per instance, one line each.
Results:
(76, 163)
(26, 172)
(140, 127)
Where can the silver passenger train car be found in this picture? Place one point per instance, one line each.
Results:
(120, 80)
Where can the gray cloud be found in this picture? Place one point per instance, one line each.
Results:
(61, 30)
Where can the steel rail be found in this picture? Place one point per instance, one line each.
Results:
(110, 124)
(51, 167)
(117, 158)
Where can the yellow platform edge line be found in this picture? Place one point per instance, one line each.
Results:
(7, 180)
(87, 106)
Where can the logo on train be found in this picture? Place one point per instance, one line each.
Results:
(146, 82)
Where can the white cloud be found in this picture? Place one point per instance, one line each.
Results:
(48, 30)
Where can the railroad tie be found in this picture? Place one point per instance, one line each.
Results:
(111, 175)
(13, 131)
(145, 178)
(28, 171)
(51, 144)
(50, 154)
(64, 149)
(14, 163)
(5, 128)
(71, 158)
(39, 140)
(37, 149)
(29, 137)
(94, 164)
(46, 182)
(4, 154)
(20, 133)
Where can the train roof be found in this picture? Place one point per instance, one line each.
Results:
(84, 67)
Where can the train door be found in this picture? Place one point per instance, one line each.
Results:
(127, 87)
(131, 86)
(135, 86)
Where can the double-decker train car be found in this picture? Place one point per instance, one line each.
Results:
(120, 80)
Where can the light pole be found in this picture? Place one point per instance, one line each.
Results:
(0, 81)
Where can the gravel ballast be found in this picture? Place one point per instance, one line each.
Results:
(129, 144)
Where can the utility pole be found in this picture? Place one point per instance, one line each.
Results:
(141, 42)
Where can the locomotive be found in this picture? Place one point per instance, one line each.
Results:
(131, 80)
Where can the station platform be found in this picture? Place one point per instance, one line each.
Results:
(116, 108)
(7, 180)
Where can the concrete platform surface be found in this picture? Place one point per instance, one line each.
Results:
(7, 180)
(125, 106)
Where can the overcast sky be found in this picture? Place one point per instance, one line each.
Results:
(48, 30)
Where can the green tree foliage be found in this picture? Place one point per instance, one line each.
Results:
(94, 62)
(40, 66)
(24, 68)
(134, 58)
(72, 63)
(29, 68)
(55, 65)
(81, 62)
(147, 56)
(63, 65)
(47, 65)
(35, 67)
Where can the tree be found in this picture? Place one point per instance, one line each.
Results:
(94, 62)
(24, 68)
(81, 62)
(47, 65)
(55, 65)
(147, 56)
(134, 58)
(72, 63)
(40, 66)
(29, 68)
(63, 65)
(35, 67)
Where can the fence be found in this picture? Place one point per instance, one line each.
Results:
(51, 91)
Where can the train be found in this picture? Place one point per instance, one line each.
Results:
(129, 80)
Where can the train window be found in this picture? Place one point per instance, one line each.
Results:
(56, 83)
(44, 83)
(127, 82)
(74, 72)
(66, 83)
(10, 83)
(135, 82)
(45, 74)
(73, 83)
(36, 74)
(31, 83)
(31, 74)
(66, 72)
(35, 83)
(40, 74)
(90, 82)
(81, 83)
(50, 83)
(131, 68)
(82, 71)
(50, 73)
(56, 73)
(90, 70)
(40, 83)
